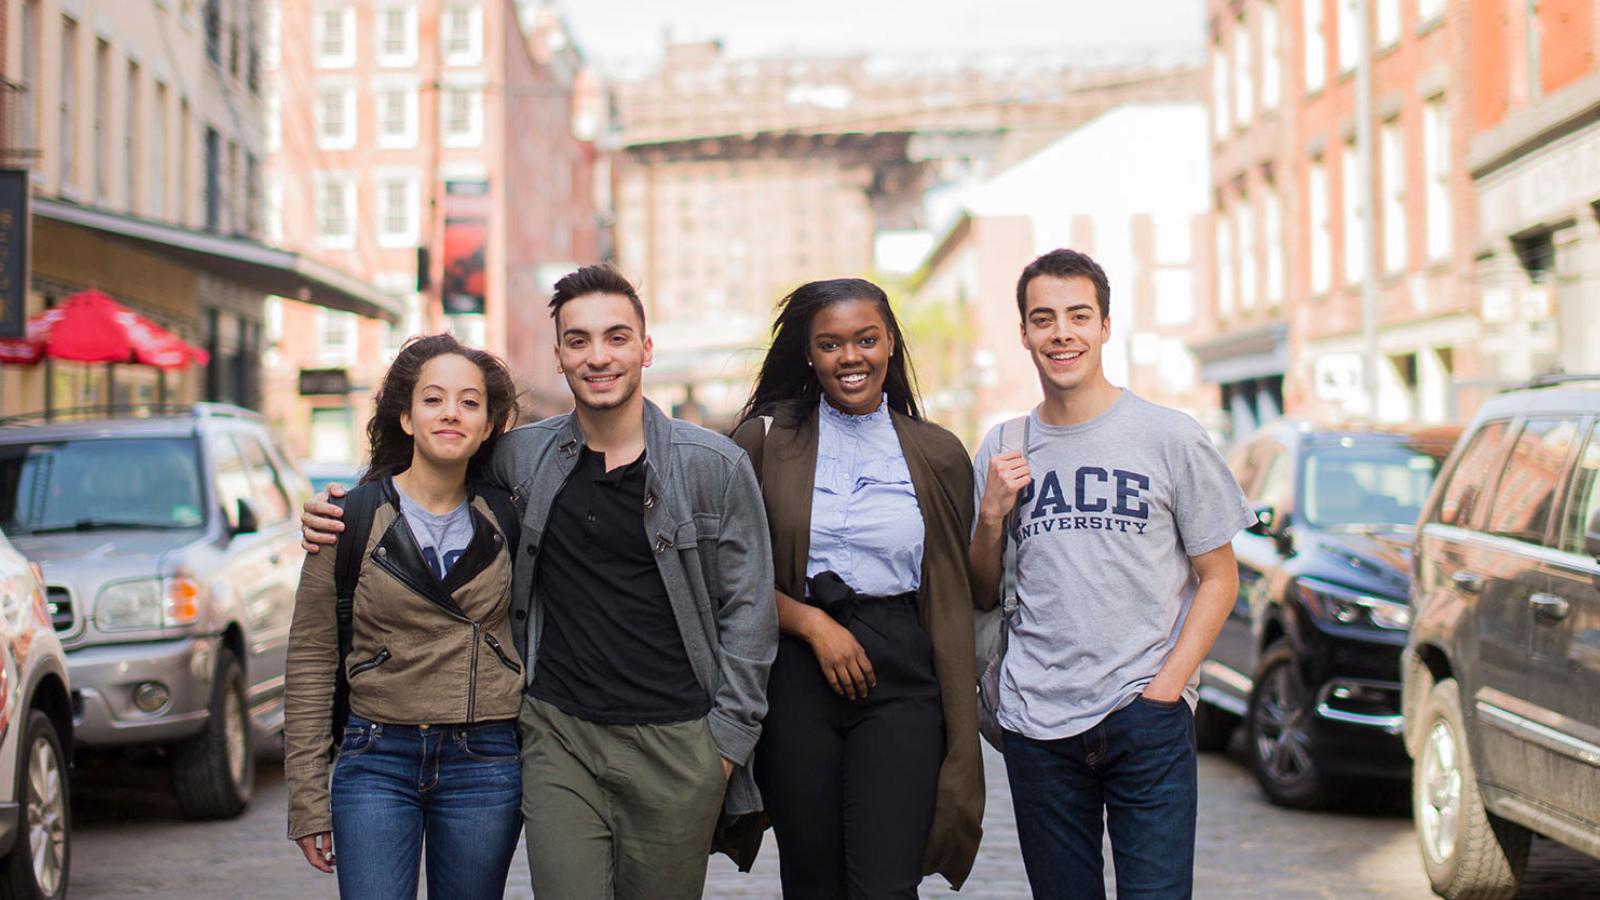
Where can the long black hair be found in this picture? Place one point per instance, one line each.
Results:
(391, 446)
(787, 387)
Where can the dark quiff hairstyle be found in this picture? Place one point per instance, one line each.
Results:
(391, 446)
(600, 278)
(1065, 264)
(787, 387)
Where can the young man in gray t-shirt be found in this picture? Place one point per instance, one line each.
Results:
(1125, 574)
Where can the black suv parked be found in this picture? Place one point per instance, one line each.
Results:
(1309, 660)
(1502, 670)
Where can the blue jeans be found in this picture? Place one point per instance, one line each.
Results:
(1135, 771)
(458, 786)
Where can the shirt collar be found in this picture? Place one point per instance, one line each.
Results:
(843, 418)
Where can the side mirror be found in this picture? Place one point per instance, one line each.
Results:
(247, 521)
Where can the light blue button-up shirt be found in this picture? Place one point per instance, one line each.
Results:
(866, 525)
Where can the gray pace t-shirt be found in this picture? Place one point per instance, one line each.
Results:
(1116, 507)
(443, 538)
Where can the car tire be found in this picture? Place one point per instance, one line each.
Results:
(40, 861)
(1468, 852)
(1279, 744)
(1213, 728)
(214, 773)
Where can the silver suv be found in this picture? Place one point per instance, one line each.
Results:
(170, 554)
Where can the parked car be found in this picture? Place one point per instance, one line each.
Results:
(1309, 658)
(170, 551)
(35, 738)
(1502, 668)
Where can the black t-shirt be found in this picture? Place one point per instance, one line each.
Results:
(610, 650)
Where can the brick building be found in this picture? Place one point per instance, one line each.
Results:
(141, 129)
(1535, 159)
(428, 146)
(739, 179)
(1284, 330)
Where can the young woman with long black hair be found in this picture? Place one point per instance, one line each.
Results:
(868, 762)
(428, 759)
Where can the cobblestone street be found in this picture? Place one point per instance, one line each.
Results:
(128, 842)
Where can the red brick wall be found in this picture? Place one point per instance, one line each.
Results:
(1568, 31)
(1488, 43)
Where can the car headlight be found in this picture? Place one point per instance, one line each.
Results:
(1339, 604)
(147, 603)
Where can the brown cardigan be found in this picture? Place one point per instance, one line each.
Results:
(785, 461)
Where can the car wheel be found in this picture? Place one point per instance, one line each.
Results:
(1213, 728)
(1280, 714)
(39, 862)
(1468, 852)
(214, 773)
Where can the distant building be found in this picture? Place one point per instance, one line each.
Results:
(141, 128)
(1282, 328)
(1129, 189)
(739, 179)
(429, 147)
(1535, 159)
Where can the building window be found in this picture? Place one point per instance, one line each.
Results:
(461, 34)
(102, 108)
(1272, 239)
(334, 37)
(158, 154)
(1388, 22)
(274, 113)
(336, 118)
(336, 338)
(1350, 196)
(130, 139)
(274, 218)
(1225, 264)
(463, 116)
(1271, 64)
(1394, 197)
(336, 207)
(214, 30)
(1428, 10)
(397, 35)
(1321, 229)
(1316, 45)
(272, 30)
(213, 169)
(1436, 175)
(398, 209)
(1243, 78)
(1349, 39)
(397, 117)
(27, 111)
(69, 90)
(1245, 233)
(252, 196)
(1220, 107)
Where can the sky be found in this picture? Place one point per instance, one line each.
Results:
(623, 35)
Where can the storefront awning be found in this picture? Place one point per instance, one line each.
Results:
(1257, 353)
(257, 266)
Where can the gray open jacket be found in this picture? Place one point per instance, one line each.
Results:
(705, 519)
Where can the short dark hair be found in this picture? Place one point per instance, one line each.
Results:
(1065, 263)
(600, 278)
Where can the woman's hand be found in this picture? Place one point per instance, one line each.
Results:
(318, 849)
(843, 662)
(319, 519)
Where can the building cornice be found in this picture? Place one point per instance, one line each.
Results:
(1569, 109)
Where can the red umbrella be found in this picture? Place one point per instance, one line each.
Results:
(91, 327)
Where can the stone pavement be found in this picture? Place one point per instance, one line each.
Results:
(128, 842)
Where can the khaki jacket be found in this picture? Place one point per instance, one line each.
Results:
(422, 652)
(785, 459)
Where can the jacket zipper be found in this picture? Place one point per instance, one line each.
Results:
(472, 675)
(373, 663)
(499, 650)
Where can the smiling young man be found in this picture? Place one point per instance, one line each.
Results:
(1123, 518)
(643, 610)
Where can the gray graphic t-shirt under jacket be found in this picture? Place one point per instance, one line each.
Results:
(1117, 506)
(443, 538)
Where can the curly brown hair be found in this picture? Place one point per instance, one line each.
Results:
(391, 446)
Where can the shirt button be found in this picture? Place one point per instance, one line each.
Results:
(521, 614)
(530, 550)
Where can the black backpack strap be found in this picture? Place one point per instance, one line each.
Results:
(506, 514)
(359, 504)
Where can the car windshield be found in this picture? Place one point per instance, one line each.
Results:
(99, 483)
(1356, 487)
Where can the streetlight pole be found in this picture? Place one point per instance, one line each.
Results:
(1369, 215)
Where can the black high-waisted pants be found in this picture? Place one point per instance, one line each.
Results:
(850, 784)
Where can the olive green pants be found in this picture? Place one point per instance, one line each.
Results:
(617, 811)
